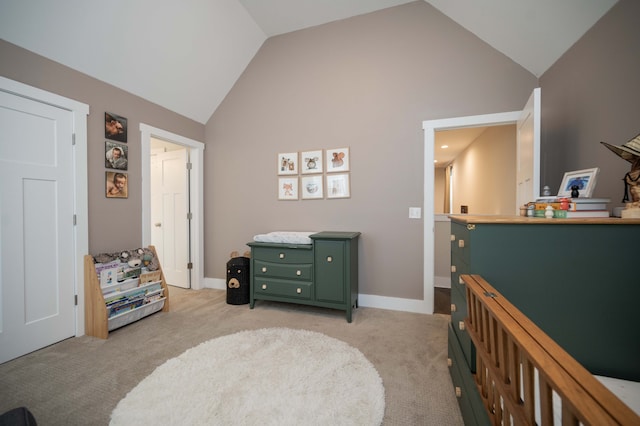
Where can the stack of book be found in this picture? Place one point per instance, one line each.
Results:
(578, 207)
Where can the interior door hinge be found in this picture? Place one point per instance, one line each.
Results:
(189, 216)
(75, 299)
(73, 139)
(190, 265)
(189, 166)
(75, 220)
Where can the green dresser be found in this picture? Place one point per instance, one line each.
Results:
(577, 279)
(324, 273)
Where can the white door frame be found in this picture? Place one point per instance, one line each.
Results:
(80, 112)
(196, 195)
(430, 127)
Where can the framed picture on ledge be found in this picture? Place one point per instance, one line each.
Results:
(582, 181)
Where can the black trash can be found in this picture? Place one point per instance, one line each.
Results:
(238, 281)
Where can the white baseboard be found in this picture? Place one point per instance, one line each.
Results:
(215, 283)
(364, 300)
(394, 304)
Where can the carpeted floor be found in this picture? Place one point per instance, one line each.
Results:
(79, 381)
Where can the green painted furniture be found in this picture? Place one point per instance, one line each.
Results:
(577, 279)
(324, 273)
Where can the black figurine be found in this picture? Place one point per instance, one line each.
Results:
(574, 191)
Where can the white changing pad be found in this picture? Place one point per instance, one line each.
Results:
(286, 237)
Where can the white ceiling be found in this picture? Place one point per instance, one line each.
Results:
(186, 56)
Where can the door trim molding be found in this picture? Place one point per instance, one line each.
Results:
(430, 127)
(196, 194)
(80, 112)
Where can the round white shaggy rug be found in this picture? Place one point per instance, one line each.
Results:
(272, 376)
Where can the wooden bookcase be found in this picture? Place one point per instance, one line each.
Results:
(96, 320)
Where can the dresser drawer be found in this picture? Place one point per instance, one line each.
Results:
(457, 323)
(466, 391)
(460, 242)
(282, 288)
(298, 254)
(291, 271)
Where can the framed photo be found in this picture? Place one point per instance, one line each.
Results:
(311, 162)
(584, 181)
(117, 185)
(115, 155)
(115, 127)
(288, 163)
(288, 188)
(312, 188)
(338, 186)
(337, 160)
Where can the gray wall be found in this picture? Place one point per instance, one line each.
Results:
(366, 83)
(591, 94)
(114, 224)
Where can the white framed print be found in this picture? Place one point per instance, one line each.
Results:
(311, 187)
(311, 162)
(583, 181)
(288, 188)
(288, 163)
(337, 160)
(338, 186)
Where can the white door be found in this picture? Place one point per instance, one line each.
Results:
(37, 287)
(528, 152)
(169, 214)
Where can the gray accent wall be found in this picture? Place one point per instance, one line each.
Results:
(366, 83)
(592, 94)
(114, 224)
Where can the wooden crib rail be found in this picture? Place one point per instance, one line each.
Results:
(519, 367)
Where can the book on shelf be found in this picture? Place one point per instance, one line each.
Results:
(585, 214)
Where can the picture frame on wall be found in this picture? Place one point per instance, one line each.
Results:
(338, 186)
(115, 155)
(117, 185)
(288, 188)
(337, 160)
(115, 127)
(584, 181)
(288, 163)
(312, 187)
(311, 162)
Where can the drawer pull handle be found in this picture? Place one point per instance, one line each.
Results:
(298, 272)
(329, 259)
(453, 268)
(458, 392)
(281, 255)
(264, 286)
(453, 237)
(298, 290)
(453, 307)
(461, 243)
(264, 269)
(461, 325)
(449, 362)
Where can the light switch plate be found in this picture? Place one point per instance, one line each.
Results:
(415, 212)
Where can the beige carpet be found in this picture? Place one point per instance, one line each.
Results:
(80, 381)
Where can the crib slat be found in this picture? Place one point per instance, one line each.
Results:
(511, 349)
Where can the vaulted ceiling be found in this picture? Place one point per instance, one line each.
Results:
(186, 56)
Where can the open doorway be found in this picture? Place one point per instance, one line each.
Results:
(170, 210)
(527, 180)
(193, 150)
